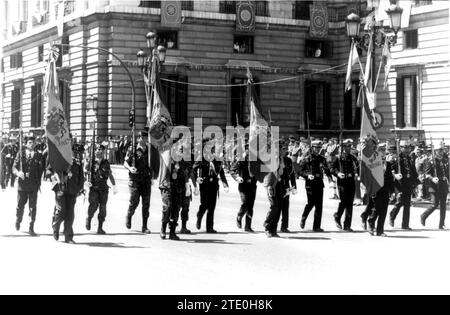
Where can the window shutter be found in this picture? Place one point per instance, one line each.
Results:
(414, 39)
(414, 101)
(400, 110)
(182, 101)
(34, 104)
(327, 105)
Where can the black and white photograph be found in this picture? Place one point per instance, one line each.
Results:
(213, 149)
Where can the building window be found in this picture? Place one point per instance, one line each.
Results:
(352, 110)
(168, 39)
(262, 8)
(176, 97)
(15, 108)
(317, 104)
(300, 10)
(150, 4)
(40, 53)
(15, 61)
(2, 66)
(187, 5)
(407, 101)
(419, 3)
(318, 49)
(64, 98)
(36, 105)
(243, 44)
(227, 7)
(65, 41)
(239, 108)
(410, 39)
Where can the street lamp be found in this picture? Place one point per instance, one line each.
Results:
(92, 105)
(395, 17)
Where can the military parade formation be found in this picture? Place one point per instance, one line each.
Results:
(411, 172)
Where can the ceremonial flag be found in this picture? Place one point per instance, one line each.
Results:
(57, 129)
(387, 60)
(60, 17)
(368, 72)
(258, 128)
(353, 58)
(372, 169)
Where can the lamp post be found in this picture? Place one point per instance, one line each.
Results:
(92, 105)
(150, 64)
(379, 35)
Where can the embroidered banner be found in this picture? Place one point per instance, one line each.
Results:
(171, 13)
(245, 16)
(319, 21)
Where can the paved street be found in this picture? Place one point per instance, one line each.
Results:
(230, 262)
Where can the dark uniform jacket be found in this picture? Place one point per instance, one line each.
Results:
(9, 152)
(315, 165)
(439, 169)
(141, 160)
(241, 169)
(210, 172)
(74, 185)
(180, 174)
(99, 175)
(408, 171)
(288, 175)
(347, 164)
(33, 169)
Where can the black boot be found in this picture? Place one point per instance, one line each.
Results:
(17, 225)
(248, 225)
(184, 229)
(100, 229)
(145, 230)
(172, 234)
(163, 233)
(31, 231)
(88, 224)
(128, 222)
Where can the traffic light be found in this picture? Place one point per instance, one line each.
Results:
(131, 118)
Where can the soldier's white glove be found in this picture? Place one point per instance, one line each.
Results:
(358, 178)
(398, 176)
(341, 175)
(428, 176)
(188, 190)
(240, 180)
(133, 170)
(8, 156)
(69, 175)
(435, 180)
(115, 190)
(196, 191)
(311, 177)
(226, 188)
(294, 191)
(200, 180)
(21, 175)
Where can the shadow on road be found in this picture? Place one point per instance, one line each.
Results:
(25, 235)
(206, 241)
(308, 238)
(408, 237)
(110, 245)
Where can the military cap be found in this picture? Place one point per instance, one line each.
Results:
(13, 138)
(393, 147)
(404, 143)
(292, 138)
(316, 143)
(348, 142)
(28, 137)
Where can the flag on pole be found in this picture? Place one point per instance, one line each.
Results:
(258, 126)
(57, 129)
(372, 169)
(368, 72)
(60, 17)
(353, 58)
(387, 60)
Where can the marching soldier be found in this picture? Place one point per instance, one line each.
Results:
(346, 169)
(9, 153)
(289, 181)
(437, 175)
(67, 187)
(406, 178)
(99, 171)
(140, 181)
(312, 169)
(207, 174)
(380, 202)
(3, 144)
(247, 190)
(28, 168)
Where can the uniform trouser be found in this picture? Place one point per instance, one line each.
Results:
(185, 208)
(138, 191)
(3, 175)
(9, 175)
(403, 200)
(369, 209)
(98, 200)
(438, 200)
(64, 211)
(22, 198)
(315, 200)
(285, 212)
(208, 201)
(172, 204)
(275, 201)
(248, 195)
(347, 194)
(381, 203)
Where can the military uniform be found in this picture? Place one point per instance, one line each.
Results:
(9, 154)
(98, 193)
(247, 192)
(380, 202)
(140, 186)
(404, 187)
(346, 164)
(209, 172)
(438, 190)
(289, 182)
(29, 163)
(187, 202)
(66, 192)
(317, 166)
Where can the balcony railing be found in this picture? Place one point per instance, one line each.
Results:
(419, 3)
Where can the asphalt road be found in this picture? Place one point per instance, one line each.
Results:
(230, 262)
